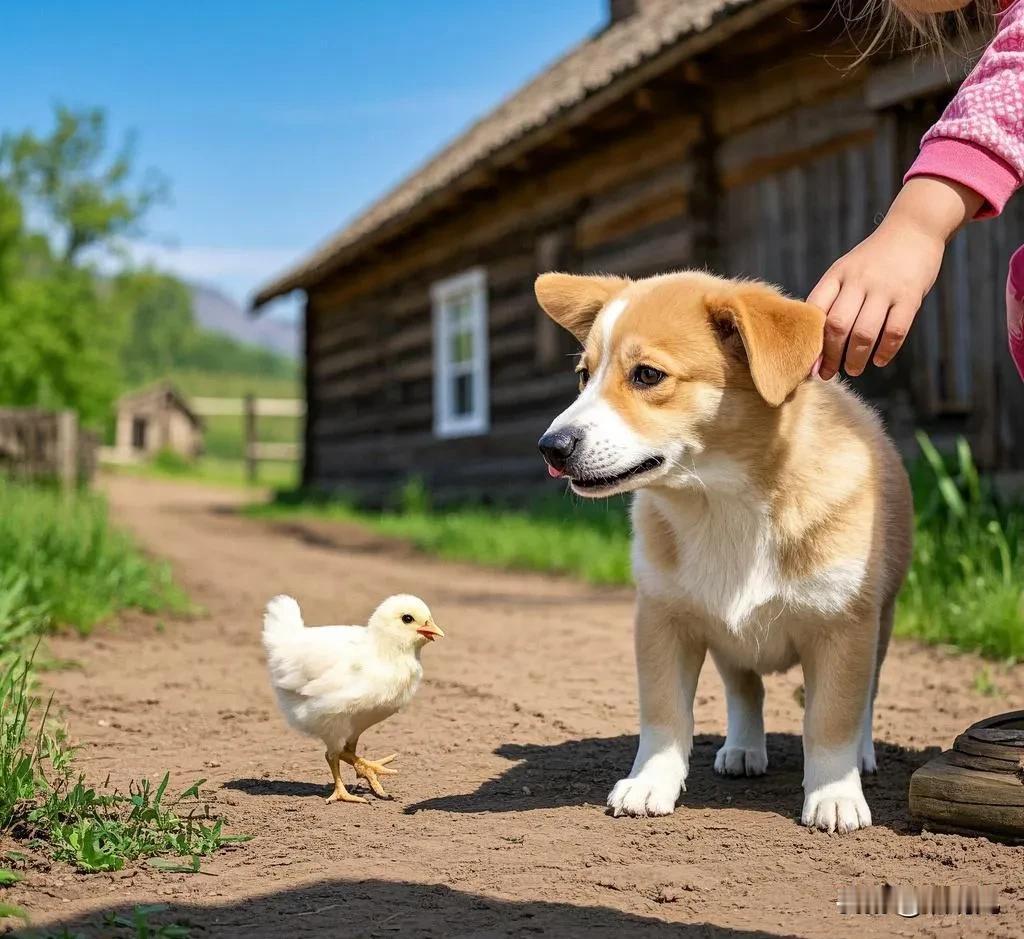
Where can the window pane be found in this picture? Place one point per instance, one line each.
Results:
(462, 399)
(458, 310)
(462, 347)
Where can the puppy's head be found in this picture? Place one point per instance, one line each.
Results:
(660, 358)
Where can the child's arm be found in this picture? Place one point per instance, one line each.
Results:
(883, 280)
(970, 163)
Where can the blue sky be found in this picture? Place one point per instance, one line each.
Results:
(275, 122)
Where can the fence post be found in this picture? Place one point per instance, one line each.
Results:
(67, 449)
(250, 438)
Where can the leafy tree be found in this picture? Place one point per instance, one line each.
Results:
(160, 322)
(85, 195)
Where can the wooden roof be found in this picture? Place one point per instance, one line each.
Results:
(158, 394)
(661, 33)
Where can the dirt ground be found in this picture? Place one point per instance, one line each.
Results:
(526, 718)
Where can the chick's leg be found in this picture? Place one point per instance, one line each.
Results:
(369, 769)
(340, 794)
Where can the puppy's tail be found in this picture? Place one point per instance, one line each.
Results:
(282, 616)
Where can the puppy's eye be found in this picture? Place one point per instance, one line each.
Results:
(647, 375)
(584, 374)
(407, 618)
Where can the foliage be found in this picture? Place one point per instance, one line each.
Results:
(964, 588)
(72, 338)
(96, 829)
(64, 564)
(966, 579)
(164, 338)
(67, 175)
(157, 310)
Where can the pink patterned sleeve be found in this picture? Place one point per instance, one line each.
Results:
(979, 140)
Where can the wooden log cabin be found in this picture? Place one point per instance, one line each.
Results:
(734, 134)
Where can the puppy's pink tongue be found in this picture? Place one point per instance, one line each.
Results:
(553, 473)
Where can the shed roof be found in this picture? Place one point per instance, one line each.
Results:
(158, 393)
(658, 27)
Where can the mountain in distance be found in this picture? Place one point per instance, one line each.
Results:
(219, 313)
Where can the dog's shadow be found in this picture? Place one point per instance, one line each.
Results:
(575, 772)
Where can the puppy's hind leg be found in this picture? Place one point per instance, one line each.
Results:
(668, 664)
(868, 762)
(744, 752)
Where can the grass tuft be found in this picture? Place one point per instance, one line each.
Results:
(65, 565)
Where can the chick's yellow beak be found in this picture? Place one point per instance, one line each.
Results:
(430, 631)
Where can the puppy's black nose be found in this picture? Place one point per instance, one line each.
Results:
(557, 447)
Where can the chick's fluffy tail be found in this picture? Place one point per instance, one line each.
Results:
(282, 616)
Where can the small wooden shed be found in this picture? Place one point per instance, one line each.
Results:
(733, 134)
(157, 418)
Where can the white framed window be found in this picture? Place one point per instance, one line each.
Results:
(461, 355)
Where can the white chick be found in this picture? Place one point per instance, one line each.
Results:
(334, 682)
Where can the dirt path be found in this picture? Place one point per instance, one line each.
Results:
(525, 720)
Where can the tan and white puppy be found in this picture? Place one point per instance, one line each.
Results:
(772, 520)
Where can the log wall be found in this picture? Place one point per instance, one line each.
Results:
(773, 179)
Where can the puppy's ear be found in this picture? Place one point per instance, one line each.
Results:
(780, 337)
(573, 301)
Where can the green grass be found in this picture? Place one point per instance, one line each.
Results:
(964, 588)
(589, 540)
(63, 564)
(213, 470)
(966, 580)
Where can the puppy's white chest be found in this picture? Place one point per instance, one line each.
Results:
(729, 573)
(726, 563)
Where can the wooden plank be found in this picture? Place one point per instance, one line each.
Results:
(273, 451)
(792, 140)
(235, 407)
(525, 206)
(800, 81)
(915, 76)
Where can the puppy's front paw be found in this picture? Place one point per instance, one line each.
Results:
(740, 761)
(833, 810)
(648, 792)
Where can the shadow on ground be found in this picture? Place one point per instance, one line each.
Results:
(342, 908)
(579, 771)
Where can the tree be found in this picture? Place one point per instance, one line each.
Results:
(86, 197)
(160, 323)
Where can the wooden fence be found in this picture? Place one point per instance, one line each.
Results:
(46, 445)
(250, 409)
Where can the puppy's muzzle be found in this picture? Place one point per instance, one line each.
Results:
(557, 447)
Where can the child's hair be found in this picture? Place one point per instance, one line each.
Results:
(920, 24)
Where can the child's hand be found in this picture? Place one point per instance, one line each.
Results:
(872, 294)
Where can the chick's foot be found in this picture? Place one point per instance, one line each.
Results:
(341, 794)
(370, 770)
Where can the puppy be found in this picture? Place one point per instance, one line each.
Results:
(772, 520)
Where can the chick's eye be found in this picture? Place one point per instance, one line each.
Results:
(407, 618)
(647, 375)
(584, 374)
